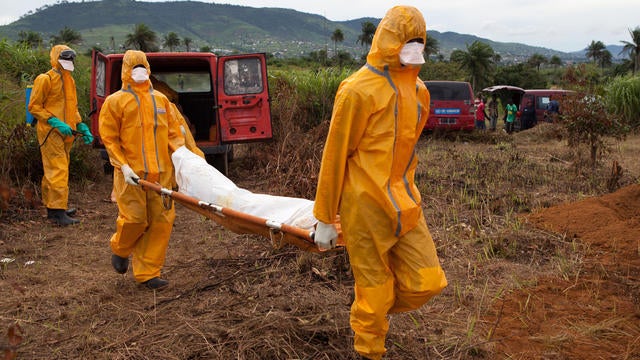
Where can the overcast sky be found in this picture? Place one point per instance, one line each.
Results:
(565, 25)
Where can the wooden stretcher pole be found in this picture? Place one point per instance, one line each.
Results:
(225, 216)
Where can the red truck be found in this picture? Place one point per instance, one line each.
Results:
(226, 98)
(452, 106)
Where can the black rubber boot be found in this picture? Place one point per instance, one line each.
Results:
(60, 217)
(120, 264)
(156, 283)
(71, 212)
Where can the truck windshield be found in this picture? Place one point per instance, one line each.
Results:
(186, 82)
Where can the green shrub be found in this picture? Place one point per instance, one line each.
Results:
(623, 98)
(313, 93)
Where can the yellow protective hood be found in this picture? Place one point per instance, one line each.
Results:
(55, 55)
(132, 58)
(399, 25)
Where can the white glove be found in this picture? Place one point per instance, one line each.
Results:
(325, 236)
(130, 177)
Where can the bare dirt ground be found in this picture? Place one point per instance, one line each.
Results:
(569, 290)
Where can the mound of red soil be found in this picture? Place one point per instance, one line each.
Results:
(591, 313)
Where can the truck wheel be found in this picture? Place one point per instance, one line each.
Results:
(220, 162)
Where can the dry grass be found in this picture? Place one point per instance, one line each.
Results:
(234, 297)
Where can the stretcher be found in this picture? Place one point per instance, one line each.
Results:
(279, 233)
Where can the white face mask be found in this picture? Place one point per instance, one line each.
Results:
(66, 64)
(139, 75)
(411, 54)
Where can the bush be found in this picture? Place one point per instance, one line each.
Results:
(312, 92)
(623, 98)
(587, 121)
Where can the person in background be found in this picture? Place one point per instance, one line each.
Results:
(54, 104)
(367, 177)
(510, 111)
(528, 115)
(553, 110)
(493, 112)
(140, 131)
(481, 114)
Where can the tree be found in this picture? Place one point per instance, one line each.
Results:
(171, 40)
(337, 36)
(555, 61)
(477, 61)
(587, 121)
(142, 38)
(632, 48)
(536, 60)
(67, 36)
(605, 59)
(431, 47)
(366, 37)
(30, 38)
(595, 50)
(520, 75)
(585, 115)
(187, 43)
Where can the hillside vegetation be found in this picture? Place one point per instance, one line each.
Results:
(224, 27)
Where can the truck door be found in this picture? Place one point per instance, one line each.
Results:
(243, 98)
(99, 90)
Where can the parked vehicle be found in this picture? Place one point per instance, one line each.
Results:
(540, 99)
(452, 106)
(225, 98)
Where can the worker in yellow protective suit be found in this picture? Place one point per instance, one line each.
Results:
(140, 131)
(185, 128)
(54, 105)
(367, 177)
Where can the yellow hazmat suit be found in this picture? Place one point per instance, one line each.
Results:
(139, 128)
(54, 95)
(367, 175)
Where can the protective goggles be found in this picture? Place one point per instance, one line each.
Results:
(68, 55)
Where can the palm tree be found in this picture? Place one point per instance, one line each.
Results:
(142, 38)
(594, 50)
(30, 38)
(67, 36)
(431, 47)
(477, 61)
(337, 36)
(366, 37)
(555, 61)
(171, 40)
(187, 43)
(632, 48)
(536, 60)
(605, 59)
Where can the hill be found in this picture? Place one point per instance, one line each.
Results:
(225, 28)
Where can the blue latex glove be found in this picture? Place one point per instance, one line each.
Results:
(86, 133)
(63, 128)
